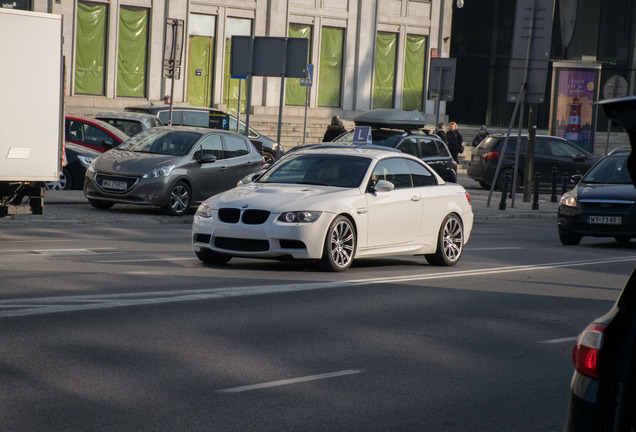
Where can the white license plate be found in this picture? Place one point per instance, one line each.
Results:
(114, 184)
(604, 220)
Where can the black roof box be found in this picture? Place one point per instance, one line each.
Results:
(391, 119)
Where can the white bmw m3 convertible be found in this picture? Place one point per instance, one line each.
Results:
(335, 205)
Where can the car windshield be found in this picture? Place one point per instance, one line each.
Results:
(319, 169)
(381, 137)
(610, 170)
(157, 141)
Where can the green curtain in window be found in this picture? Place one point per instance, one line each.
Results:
(132, 52)
(231, 86)
(200, 70)
(384, 70)
(330, 82)
(414, 62)
(90, 48)
(295, 94)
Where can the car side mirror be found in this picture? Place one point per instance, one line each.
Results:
(206, 158)
(382, 186)
(576, 178)
(108, 144)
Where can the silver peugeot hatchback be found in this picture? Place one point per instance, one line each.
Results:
(173, 167)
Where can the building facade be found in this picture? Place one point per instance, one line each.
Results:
(365, 53)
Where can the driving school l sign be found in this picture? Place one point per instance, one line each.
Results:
(362, 135)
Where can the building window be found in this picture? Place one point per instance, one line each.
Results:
(200, 71)
(234, 27)
(331, 54)
(295, 94)
(414, 66)
(384, 70)
(90, 54)
(132, 50)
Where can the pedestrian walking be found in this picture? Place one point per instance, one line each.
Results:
(334, 130)
(455, 141)
(483, 133)
(441, 131)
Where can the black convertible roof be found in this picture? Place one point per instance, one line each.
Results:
(391, 119)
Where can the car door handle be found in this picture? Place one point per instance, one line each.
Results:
(416, 198)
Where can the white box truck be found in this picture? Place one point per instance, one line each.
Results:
(31, 108)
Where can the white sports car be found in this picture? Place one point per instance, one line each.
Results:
(334, 205)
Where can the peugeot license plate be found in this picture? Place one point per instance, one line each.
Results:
(604, 220)
(114, 184)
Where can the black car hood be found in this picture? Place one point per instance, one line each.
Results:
(621, 192)
(132, 163)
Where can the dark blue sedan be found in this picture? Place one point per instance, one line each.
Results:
(603, 203)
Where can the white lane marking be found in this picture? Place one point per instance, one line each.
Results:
(288, 381)
(143, 260)
(495, 248)
(48, 305)
(561, 340)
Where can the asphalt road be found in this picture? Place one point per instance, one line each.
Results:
(120, 328)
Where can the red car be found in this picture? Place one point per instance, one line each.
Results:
(92, 133)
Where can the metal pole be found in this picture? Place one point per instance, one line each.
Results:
(238, 111)
(172, 68)
(282, 96)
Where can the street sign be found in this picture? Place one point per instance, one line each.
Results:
(615, 87)
(441, 81)
(530, 50)
(174, 42)
(307, 80)
(362, 135)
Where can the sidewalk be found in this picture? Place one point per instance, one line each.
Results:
(71, 207)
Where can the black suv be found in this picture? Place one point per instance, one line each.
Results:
(184, 115)
(549, 151)
(402, 130)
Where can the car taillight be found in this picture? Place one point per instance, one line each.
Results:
(468, 198)
(490, 155)
(587, 350)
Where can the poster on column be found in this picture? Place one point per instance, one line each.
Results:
(575, 89)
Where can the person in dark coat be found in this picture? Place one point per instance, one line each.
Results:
(334, 130)
(440, 132)
(483, 133)
(455, 141)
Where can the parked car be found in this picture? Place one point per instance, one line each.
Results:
(334, 205)
(129, 122)
(92, 133)
(213, 118)
(603, 388)
(549, 152)
(172, 167)
(78, 159)
(602, 204)
(402, 130)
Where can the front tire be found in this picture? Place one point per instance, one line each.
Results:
(569, 239)
(179, 199)
(102, 205)
(340, 245)
(210, 257)
(450, 242)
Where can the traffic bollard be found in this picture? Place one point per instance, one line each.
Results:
(554, 184)
(504, 192)
(535, 199)
(564, 188)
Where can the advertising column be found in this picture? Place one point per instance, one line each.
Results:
(575, 89)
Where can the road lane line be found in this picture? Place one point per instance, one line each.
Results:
(48, 305)
(288, 381)
(561, 340)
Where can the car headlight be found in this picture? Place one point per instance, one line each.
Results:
(91, 167)
(569, 200)
(204, 211)
(86, 161)
(299, 216)
(163, 171)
